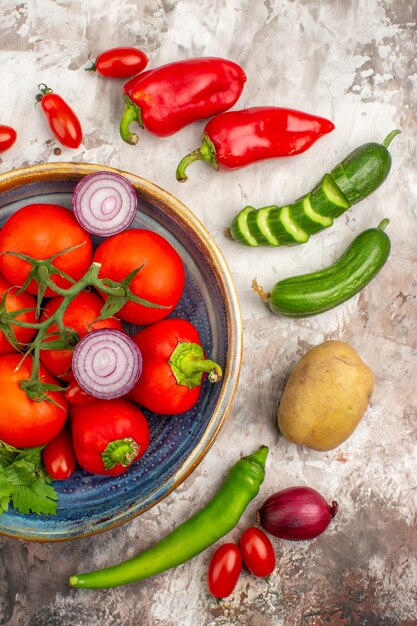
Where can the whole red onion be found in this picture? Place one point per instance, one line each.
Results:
(296, 513)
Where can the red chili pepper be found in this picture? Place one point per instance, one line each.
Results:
(8, 137)
(119, 62)
(173, 367)
(108, 435)
(165, 99)
(238, 138)
(58, 456)
(61, 119)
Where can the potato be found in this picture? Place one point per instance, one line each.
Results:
(325, 397)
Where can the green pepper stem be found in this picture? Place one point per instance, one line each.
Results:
(120, 452)
(188, 365)
(131, 113)
(390, 137)
(206, 152)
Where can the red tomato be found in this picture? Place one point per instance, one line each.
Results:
(15, 303)
(61, 119)
(224, 570)
(75, 395)
(257, 552)
(106, 430)
(79, 316)
(58, 456)
(41, 230)
(120, 62)
(8, 136)
(161, 279)
(25, 423)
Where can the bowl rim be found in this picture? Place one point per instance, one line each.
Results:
(67, 171)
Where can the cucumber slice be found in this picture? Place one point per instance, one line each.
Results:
(254, 229)
(345, 185)
(239, 228)
(306, 217)
(262, 219)
(277, 227)
(292, 228)
(327, 199)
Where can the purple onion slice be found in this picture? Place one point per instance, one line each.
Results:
(104, 203)
(106, 363)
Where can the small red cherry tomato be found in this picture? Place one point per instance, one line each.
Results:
(257, 552)
(58, 456)
(8, 136)
(224, 570)
(120, 62)
(61, 119)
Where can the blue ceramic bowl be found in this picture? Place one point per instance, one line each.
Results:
(87, 503)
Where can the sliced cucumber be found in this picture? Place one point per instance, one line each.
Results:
(262, 218)
(355, 178)
(281, 230)
(345, 185)
(239, 228)
(291, 226)
(307, 218)
(254, 229)
(327, 199)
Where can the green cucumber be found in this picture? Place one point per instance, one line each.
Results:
(255, 229)
(343, 182)
(307, 218)
(284, 228)
(352, 180)
(310, 294)
(327, 199)
(240, 230)
(262, 220)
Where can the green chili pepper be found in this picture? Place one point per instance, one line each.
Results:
(196, 534)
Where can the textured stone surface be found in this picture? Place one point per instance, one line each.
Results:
(350, 60)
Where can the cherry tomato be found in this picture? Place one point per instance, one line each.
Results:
(41, 230)
(257, 552)
(26, 423)
(160, 281)
(15, 302)
(61, 119)
(75, 395)
(58, 456)
(120, 62)
(79, 316)
(8, 137)
(224, 570)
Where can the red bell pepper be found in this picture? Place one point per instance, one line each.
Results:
(238, 138)
(108, 435)
(173, 367)
(165, 99)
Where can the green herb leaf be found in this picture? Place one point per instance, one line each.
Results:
(5, 491)
(24, 482)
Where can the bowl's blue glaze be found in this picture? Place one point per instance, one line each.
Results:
(89, 503)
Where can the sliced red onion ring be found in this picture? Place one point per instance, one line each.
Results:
(104, 203)
(106, 363)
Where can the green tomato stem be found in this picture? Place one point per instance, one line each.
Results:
(41, 272)
(188, 365)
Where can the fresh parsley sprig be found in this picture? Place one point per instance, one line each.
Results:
(24, 483)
